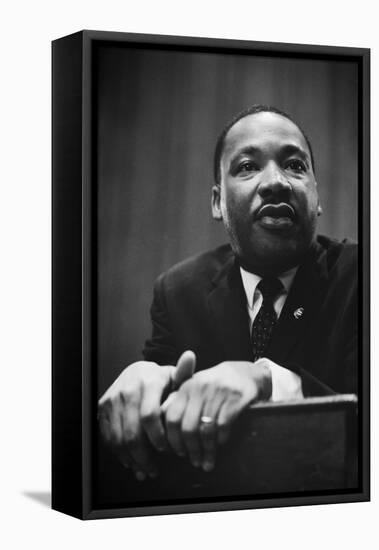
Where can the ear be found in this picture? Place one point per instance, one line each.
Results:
(216, 201)
(319, 207)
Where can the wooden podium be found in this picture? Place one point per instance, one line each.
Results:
(299, 447)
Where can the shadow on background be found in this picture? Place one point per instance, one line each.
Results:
(42, 497)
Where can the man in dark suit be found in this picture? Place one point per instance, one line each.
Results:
(271, 316)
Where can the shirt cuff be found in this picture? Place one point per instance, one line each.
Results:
(286, 385)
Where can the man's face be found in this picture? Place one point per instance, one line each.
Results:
(267, 197)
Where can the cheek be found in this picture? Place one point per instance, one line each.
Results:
(236, 198)
(234, 209)
(309, 198)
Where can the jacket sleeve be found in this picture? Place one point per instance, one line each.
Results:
(160, 347)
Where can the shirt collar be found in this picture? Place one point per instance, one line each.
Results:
(250, 281)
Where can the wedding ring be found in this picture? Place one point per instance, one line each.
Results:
(206, 420)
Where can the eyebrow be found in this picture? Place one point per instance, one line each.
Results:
(284, 151)
(288, 150)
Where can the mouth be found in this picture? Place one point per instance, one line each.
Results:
(276, 216)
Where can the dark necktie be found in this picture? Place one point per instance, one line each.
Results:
(266, 318)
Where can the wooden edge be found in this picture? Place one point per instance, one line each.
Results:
(309, 402)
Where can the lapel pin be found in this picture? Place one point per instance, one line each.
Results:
(298, 312)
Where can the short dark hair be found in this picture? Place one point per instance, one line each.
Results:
(253, 110)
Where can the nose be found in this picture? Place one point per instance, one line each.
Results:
(273, 181)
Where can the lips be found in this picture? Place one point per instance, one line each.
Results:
(276, 217)
(281, 210)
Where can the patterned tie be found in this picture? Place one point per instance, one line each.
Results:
(266, 318)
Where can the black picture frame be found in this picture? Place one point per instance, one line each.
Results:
(74, 402)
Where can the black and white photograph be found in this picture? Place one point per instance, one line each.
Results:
(227, 354)
(188, 275)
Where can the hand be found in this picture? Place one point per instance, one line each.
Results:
(219, 394)
(129, 411)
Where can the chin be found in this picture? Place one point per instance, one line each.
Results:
(272, 257)
(270, 252)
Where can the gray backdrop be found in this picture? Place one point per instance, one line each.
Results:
(159, 114)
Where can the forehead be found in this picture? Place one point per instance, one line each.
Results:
(263, 130)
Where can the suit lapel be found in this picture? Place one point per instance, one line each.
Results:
(300, 307)
(228, 313)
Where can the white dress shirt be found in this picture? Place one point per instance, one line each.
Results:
(286, 384)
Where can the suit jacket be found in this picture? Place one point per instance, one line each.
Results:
(200, 304)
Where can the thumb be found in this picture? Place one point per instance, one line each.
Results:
(185, 368)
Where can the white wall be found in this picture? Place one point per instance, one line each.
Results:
(26, 31)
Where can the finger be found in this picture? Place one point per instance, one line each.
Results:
(115, 424)
(129, 464)
(190, 427)
(173, 419)
(165, 405)
(150, 412)
(144, 466)
(185, 368)
(228, 413)
(136, 443)
(209, 430)
(118, 449)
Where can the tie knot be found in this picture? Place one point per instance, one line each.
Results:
(270, 287)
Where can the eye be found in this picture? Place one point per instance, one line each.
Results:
(248, 166)
(295, 165)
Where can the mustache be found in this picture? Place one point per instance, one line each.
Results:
(276, 210)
